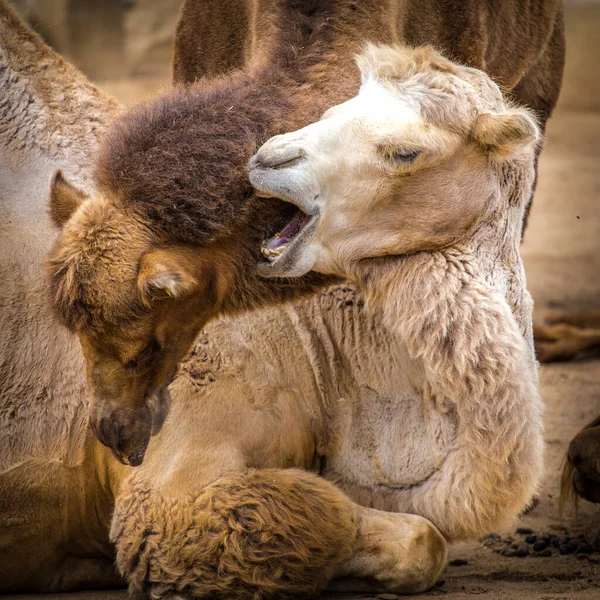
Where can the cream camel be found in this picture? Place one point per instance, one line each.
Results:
(169, 240)
(319, 386)
(428, 167)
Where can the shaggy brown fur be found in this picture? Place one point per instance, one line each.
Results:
(211, 39)
(178, 162)
(271, 533)
(172, 172)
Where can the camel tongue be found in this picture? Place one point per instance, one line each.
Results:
(288, 233)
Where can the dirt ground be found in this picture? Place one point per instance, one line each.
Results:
(562, 257)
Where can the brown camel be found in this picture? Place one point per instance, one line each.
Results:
(237, 429)
(171, 238)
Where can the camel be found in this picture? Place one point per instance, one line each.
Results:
(143, 264)
(243, 423)
(440, 260)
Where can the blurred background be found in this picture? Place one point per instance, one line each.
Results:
(126, 44)
(120, 40)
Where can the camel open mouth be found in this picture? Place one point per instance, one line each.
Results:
(273, 248)
(287, 253)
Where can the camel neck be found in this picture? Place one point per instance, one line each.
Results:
(43, 118)
(301, 28)
(452, 315)
(315, 42)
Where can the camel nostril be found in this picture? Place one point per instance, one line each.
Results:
(107, 431)
(254, 163)
(272, 156)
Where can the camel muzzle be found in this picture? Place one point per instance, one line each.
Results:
(127, 431)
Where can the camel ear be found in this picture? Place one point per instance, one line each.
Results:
(65, 199)
(507, 133)
(166, 273)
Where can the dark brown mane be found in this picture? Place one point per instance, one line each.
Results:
(179, 160)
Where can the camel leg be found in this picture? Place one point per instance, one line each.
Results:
(564, 341)
(587, 320)
(272, 533)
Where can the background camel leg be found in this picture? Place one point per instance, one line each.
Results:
(273, 533)
(567, 336)
(586, 320)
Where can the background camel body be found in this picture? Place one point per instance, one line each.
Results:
(332, 325)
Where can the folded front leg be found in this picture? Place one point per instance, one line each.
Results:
(272, 533)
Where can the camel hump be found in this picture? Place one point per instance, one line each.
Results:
(49, 109)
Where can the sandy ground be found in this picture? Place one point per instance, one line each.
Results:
(562, 258)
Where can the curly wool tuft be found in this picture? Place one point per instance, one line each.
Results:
(261, 534)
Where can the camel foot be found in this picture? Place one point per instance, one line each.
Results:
(398, 553)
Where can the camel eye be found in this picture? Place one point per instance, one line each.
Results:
(146, 356)
(404, 156)
(131, 365)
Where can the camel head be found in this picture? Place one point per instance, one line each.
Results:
(412, 163)
(136, 305)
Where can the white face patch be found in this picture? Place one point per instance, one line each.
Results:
(376, 109)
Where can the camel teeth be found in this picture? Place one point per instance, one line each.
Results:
(272, 253)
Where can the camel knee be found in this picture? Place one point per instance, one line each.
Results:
(404, 554)
(430, 554)
(268, 533)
